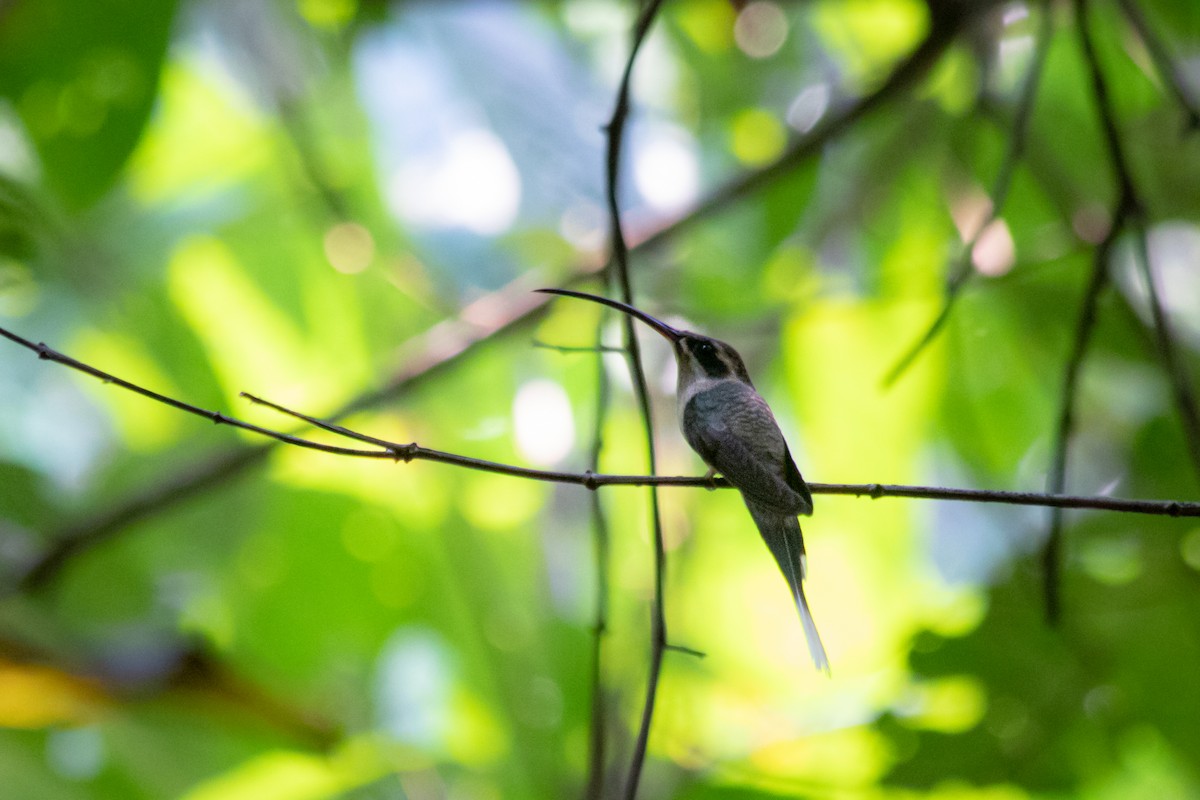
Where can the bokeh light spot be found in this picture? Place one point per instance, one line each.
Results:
(328, 14)
(583, 226)
(757, 137)
(666, 171)
(544, 427)
(472, 184)
(994, 252)
(708, 23)
(761, 29)
(808, 107)
(76, 753)
(349, 247)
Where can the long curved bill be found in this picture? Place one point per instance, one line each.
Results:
(658, 325)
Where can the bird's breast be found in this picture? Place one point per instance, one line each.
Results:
(732, 408)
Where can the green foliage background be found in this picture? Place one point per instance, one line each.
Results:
(178, 182)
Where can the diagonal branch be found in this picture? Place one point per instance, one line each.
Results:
(183, 670)
(1125, 205)
(1177, 372)
(1018, 135)
(1166, 65)
(1131, 207)
(1056, 480)
(1127, 209)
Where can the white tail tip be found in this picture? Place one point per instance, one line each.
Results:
(815, 648)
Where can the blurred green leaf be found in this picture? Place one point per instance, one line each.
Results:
(83, 77)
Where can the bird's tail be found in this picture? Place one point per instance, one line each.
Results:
(783, 537)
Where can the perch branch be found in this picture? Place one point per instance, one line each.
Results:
(50, 562)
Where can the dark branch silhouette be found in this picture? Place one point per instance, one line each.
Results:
(1177, 372)
(1124, 205)
(1056, 480)
(1166, 65)
(598, 726)
(1127, 213)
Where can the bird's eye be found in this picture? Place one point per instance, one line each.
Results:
(704, 348)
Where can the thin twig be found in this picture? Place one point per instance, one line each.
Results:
(47, 353)
(598, 727)
(620, 266)
(1131, 207)
(962, 270)
(562, 348)
(1056, 480)
(1177, 372)
(298, 131)
(687, 651)
(1166, 65)
(1126, 206)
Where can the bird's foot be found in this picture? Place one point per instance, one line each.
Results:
(711, 478)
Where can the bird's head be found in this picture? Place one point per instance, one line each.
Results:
(697, 355)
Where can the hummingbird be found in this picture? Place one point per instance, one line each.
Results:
(726, 421)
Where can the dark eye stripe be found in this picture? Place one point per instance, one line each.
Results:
(709, 358)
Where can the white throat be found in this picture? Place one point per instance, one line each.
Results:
(695, 387)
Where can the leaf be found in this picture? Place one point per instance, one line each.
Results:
(83, 78)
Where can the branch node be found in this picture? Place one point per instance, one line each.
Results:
(589, 480)
(877, 491)
(218, 418)
(404, 452)
(45, 352)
